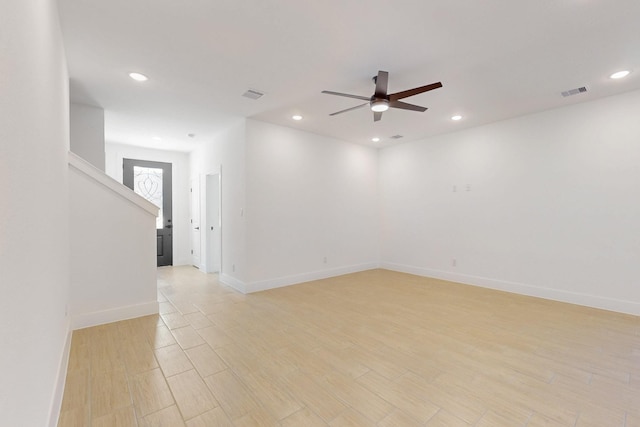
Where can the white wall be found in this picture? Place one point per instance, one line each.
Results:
(34, 222)
(308, 197)
(225, 154)
(180, 187)
(552, 209)
(113, 249)
(87, 133)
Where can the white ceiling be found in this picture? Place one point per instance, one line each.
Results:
(495, 58)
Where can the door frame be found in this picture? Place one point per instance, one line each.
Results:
(195, 221)
(213, 246)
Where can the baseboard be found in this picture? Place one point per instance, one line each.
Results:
(58, 393)
(280, 282)
(236, 284)
(577, 298)
(95, 318)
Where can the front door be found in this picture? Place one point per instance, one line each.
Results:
(152, 180)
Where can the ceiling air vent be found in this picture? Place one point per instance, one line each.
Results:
(252, 94)
(574, 91)
(396, 137)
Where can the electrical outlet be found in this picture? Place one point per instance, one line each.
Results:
(325, 260)
(455, 188)
(454, 262)
(233, 268)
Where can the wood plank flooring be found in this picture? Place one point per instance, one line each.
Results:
(376, 348)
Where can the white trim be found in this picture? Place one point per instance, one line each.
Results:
(95, 318)
(58, 392)
(577, 298)
(236, 284)
(279, 282)
(105, 180)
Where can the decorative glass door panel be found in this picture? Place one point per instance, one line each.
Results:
(147, 182)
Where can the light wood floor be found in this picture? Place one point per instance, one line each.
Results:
(376, 348)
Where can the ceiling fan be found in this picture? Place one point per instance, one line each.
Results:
(381, 101)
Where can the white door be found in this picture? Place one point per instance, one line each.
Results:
(195, 222)
(213, 234)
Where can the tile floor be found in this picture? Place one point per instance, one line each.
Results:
(375, 348)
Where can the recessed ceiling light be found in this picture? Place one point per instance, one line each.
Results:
(620, 74)
(156, 138)
(456, 117)
(191, 135)
(375, 139)
(138, 77)
(297, 117)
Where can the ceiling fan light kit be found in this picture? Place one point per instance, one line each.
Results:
(379, 105)
(381, 101)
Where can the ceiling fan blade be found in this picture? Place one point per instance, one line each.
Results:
(382, 82)
(406, 106)
(377, 115)
(414, 91)
(349, 109)
(346, 95)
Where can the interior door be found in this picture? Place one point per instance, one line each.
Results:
(213, 235)
(152, 180)
(195, 222)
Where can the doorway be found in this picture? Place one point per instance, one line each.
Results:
(152, 180)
